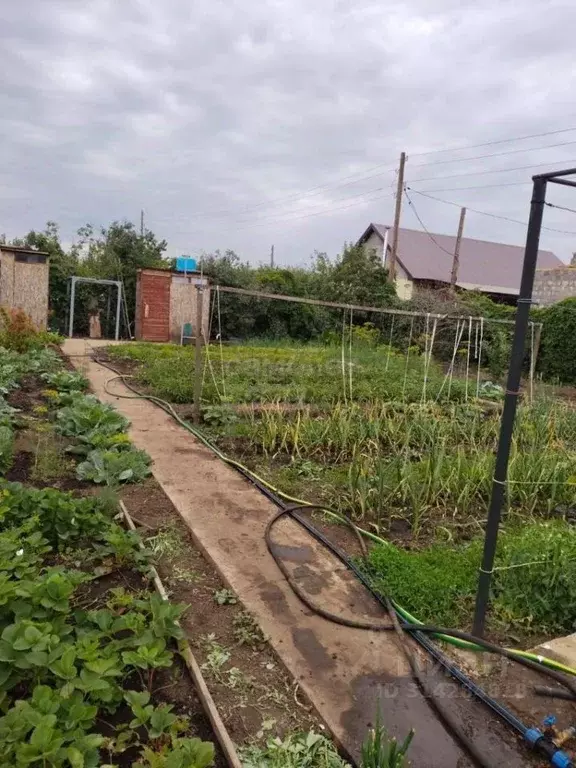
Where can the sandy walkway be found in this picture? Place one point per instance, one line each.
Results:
(343, 671)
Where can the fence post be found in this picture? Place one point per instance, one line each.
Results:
(198, 353)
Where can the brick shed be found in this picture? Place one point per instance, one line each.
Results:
(24, 281)
(166, 300)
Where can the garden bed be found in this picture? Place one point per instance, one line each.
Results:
(256, 697)
(417, 474)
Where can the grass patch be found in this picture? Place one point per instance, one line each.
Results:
(260, 372)
(534, 584)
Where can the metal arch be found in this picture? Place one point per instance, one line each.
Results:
(74, 279)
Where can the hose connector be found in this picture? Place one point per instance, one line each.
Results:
(542, 744)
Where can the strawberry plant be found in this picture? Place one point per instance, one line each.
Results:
(64, 659)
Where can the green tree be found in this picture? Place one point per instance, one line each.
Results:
(358, 277)
(63, 264)
(117, 253)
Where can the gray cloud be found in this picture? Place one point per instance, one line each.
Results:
(213, 116)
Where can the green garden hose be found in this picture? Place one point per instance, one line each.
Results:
(407, 617)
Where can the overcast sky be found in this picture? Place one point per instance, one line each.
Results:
(238, 125)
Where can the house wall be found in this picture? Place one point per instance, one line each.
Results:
(552, 285)
(183, 305)
(375, 243)
(404, 286)
(24, 286)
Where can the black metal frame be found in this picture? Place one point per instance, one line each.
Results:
(513, 383)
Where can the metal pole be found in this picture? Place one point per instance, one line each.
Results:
(399, 192)
(72, 299)
(510, 404)
(118, 305)
(108, 308)
(198, 354)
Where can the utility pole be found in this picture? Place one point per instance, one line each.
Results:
(272, 257)
(142, 223)
(456, 261)
(399, 192)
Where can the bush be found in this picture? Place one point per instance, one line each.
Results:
(557, 353)
(19, 334)
(18, 331)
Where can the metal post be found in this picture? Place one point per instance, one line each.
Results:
(118, 305)
(72, 299)
(198, 353)
(108, 308)
(510, 403)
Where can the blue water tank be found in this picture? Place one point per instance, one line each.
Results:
(186, 264)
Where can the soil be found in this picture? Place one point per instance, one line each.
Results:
(263, 691)
(28, 395)
(172, 685)
(205, 613)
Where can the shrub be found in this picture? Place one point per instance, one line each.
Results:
(557, 358)
(18, 331)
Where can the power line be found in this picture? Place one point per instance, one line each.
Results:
(351, 180)
(496, 170)
(244, 225)
(430, 235)
(493, 143)
(383, 167)
(495, 154)
(482, 186)
(561, 207)
(491, 215)
(433, 178)
(321, 205)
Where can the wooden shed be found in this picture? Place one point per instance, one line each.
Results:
(24, 281)
(166, 301)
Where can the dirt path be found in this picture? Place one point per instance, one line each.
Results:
(345, 672)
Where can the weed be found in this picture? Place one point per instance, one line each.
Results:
(50, 461)
(225, 597)
(6, 447)
(297, 750)
(185, 575)
(247, 631)
(216, 655)
(166, 543)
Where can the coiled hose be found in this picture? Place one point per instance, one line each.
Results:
(401, 620)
